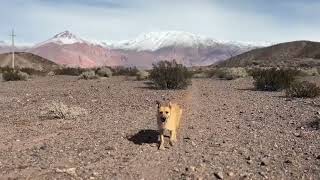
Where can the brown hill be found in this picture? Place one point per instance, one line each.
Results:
(27, 60)
(290, 54)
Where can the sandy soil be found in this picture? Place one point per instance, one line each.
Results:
(229, 131)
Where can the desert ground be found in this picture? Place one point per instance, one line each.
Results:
(229, 131)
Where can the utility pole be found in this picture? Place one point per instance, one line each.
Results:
(12, 36)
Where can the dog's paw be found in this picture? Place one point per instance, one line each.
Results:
(172, 142)
(161, 147)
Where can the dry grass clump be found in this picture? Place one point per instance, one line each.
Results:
(58, 110)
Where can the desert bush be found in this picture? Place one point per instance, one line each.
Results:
(31, 71)
(14, 75)
(88, 75)
(125, 71)
(229, 73)
(309, 72)
(200, 75)
(142, 75)
(170, 75)
(303, 89)
(5, 69)
(69, 71)
(104, 72)
(273, 79)
(58, 110)
(51, 73)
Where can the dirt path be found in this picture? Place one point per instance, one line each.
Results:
(229, 131)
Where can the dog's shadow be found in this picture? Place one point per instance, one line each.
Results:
(147, 136)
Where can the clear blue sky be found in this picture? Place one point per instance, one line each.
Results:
(242, 20)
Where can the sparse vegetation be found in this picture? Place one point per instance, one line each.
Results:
(88, 75)
(125, 71)
(273, 79)
(142, 75)
(303, 89)
(170, 75)
(69, 71)
(104, 72)
(58, 110)
(229, 73)
(31, 71)
(309, 72)
(14, 75)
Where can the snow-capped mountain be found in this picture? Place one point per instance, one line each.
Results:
(187, 48)
(68, 49)
(63, 38)
(156, 40)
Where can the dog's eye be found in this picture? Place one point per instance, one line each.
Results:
(167, 112)
(161, 112)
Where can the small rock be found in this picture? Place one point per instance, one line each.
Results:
(219, 175)
(263, 174)
(231, 174)
(264, 162)
(288, 161)
(297, 134)
(193, 143)
(176, 169)
(192, 168)
(318, 157)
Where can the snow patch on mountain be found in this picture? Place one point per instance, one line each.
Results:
(156, 40)
(64, 38)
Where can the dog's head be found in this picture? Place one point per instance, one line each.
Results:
(163, 112)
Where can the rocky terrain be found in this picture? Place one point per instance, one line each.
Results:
(229, 131)
(289, 54)
(27, 60)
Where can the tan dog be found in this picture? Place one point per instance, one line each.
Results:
(168, 118)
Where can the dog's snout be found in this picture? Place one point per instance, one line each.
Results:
(163, 119)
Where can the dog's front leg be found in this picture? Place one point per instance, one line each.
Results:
(173, 137)
(161, 146)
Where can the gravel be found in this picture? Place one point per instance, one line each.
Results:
(228, 131)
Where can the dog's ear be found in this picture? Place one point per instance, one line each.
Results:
(170, 104)
(158, 104)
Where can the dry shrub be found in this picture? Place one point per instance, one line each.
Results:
(309, 72)
(229, 73)
(58, 110)
(14, 75)
(201, 75)
(69, 71)
(88, 75)
(303, 89)
(142, 75)
(170, 75)
(104, 72)
(273, 79)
